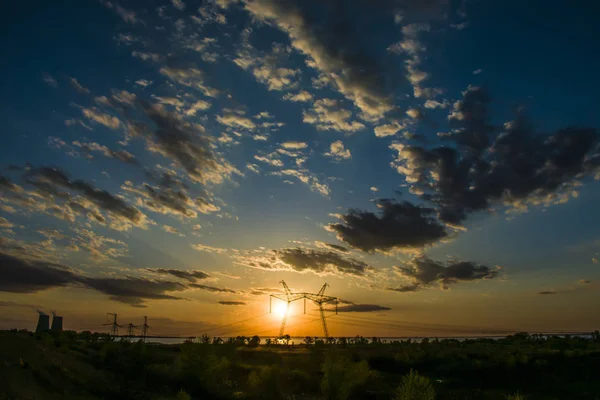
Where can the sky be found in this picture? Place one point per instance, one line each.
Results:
(436, 163)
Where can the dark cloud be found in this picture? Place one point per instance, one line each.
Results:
(333, 46)
(231, 303)
(547, 292)
(423, 272)
(332, 246)
(405, 288)
(321, 262)
(182, 141)
(50, 181)
(361, 308)
(132, 290)
(26, 276)
(264, 291)
(584, 281)
(511, 165)
(211, 288)
(19, 305)
(191, 276)
(399, 226)
(20, 276)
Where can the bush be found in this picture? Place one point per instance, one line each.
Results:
(342, 377)
(183, 395)
(415, 387)
(516, 396)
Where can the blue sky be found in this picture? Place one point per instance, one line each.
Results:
(433, 161)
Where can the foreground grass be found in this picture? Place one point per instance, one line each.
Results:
(84, 366)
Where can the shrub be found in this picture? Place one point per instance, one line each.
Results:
(516, 396)
(342, 377)
(415, 387)
(183, 395)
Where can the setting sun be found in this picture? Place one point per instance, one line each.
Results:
(279, 309)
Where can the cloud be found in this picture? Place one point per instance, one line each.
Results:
(172, 230)
(269, 159)
(102, 118)
(294, 145)
(424, 271)
(361, 308)
(266, 67)
(191, 275)
(405, 288)
(584, 281)
(374, 189)
(178, 4)
(327, 114)
(127, 16)
(208, 249)
(143, 82)
(168, 200)
(302, 96)
(21, 276)
(235, 120)
(401, 226)
(337, 151)
(487, 166)
(307, 178)
(121, 155)
(199, 105)
(477, 71)
(50, 181)
(78, 86)
(211, 288)
(335, 55)
(547, 292)
(49, 80)
(183, 142)
(5, 224)
(331, 246)
(231, 303)
(189, 76)
(389, 129)
(304, 260)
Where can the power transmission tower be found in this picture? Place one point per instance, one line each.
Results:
(114, 330)
(317, 298)
(130, 327)
(145, 329)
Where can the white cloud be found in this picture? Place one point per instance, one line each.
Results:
(327, 114)
(127, 16)
(266, 68)
(269, 159)
(294, 145)
(199, 105)
(302, 96)
(337, 151)
(374, 189)
(389, 129)
(235, 120)
(431, 104)
(209, 249)
(477, 71)
(102, 118)
(413, 113)
(172, 230)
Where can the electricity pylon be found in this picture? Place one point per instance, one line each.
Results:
(114, 330)
(317, 298)
(145, 329)
(130, 327)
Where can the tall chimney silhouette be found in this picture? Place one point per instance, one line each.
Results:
(43, 322)
(57, 323)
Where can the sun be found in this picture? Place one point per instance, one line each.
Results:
(280, 309)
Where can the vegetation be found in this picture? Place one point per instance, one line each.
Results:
(93, 366)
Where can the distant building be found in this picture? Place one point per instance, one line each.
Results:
(57, 324)
(43, 322)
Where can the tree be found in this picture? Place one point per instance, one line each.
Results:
(205, 338)
(342, 377)
(254, 341)
(415, 387)
(308, 340)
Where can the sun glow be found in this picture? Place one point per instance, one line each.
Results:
(279, 310)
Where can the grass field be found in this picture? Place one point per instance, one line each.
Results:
(86, 366)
